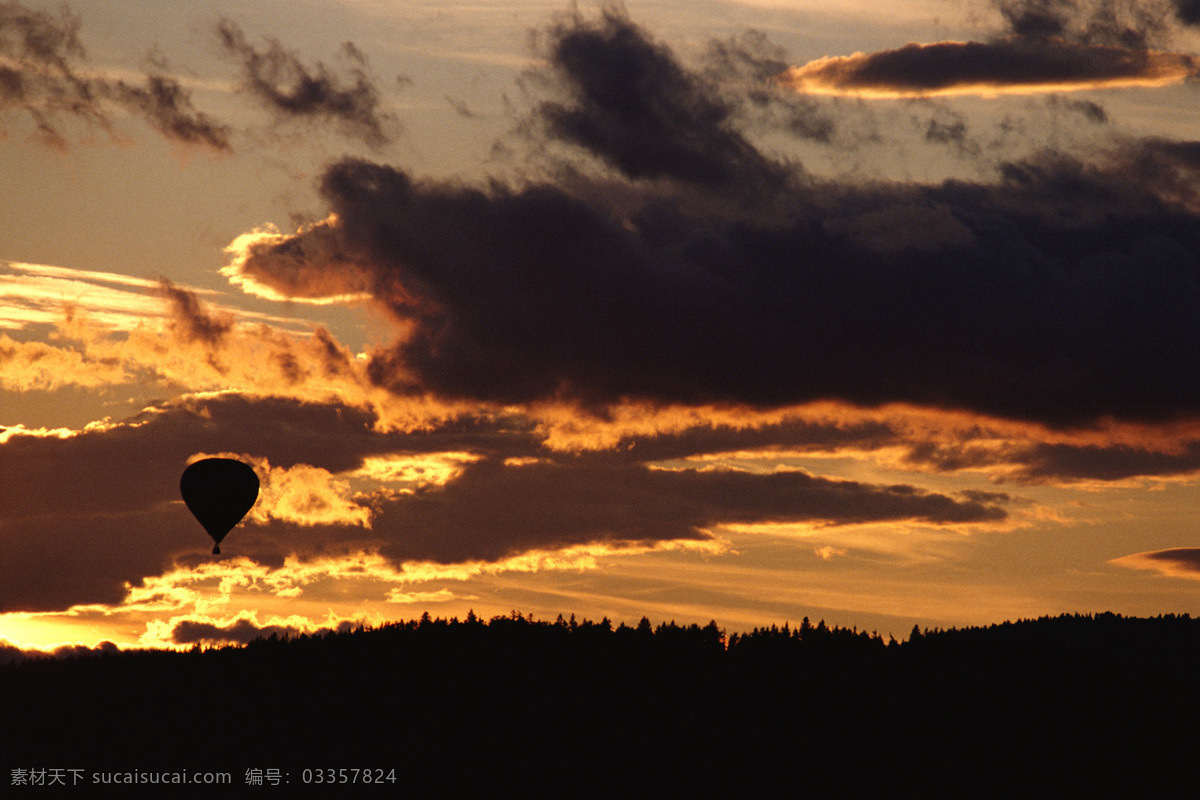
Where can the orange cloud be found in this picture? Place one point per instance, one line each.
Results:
(306, 495)
(234, 599)
(310, 266)
(109, 330)
(415, 471)
(28, 366)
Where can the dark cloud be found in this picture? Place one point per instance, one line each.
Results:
(1014, 63)
(1089, 110)
(494, 510)
(169, 108)
(1048, 45)
(190, 318)
(1034, 18)
(1178, 562)
(1061, 291)
(1046, 461)
(460, 107)
(1136, 24)
(135, 465)
(1186, 557)
(634, 106)
(293, 90)
(1188, 11)
(87, 514)
(954, 132)
(10, 654)
(950, 130)
(45, 80)
(54, 561)
(42, 76)
(1031, 462)
(792, 435)
(240, 631)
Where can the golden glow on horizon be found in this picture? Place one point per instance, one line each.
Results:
(577, 558)
(905, 542)
(294, 596)
(360, 588)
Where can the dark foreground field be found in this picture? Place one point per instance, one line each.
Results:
(588, 702)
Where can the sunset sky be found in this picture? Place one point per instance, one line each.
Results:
(883, 313)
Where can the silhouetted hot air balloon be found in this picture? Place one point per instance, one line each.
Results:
(219, 492)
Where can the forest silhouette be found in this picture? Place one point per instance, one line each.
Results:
(514, 687)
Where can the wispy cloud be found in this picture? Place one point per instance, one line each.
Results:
(43, 75)
(293, 90)
(168, 107)
(117, 329)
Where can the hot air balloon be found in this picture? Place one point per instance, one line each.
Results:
(219, 492)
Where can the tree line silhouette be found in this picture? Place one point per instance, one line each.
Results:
(406, 691)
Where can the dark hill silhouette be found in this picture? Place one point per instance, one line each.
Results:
(411, 694)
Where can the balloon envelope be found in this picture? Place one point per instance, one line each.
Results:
(219, 492)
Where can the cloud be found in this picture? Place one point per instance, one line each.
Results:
(912, 439)
(1188, 11)
(1179, 562)
(26, 366)
(307, 495)
(1056, 293)
(39, 294)
(1055, 290)
(1092, 112)
(292, 90)
(460, 107)
(42, 76)
(168, 107)
(631, 104)
(191, 320)
(743, 68)
(240, 631)
(1048, 47)
(1127, 23)
(310, 268)
(567, 502)
(707, 304)
(1029, 461)
(10, 654)
(92, 512)
(104, 329)
(1014, 65)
